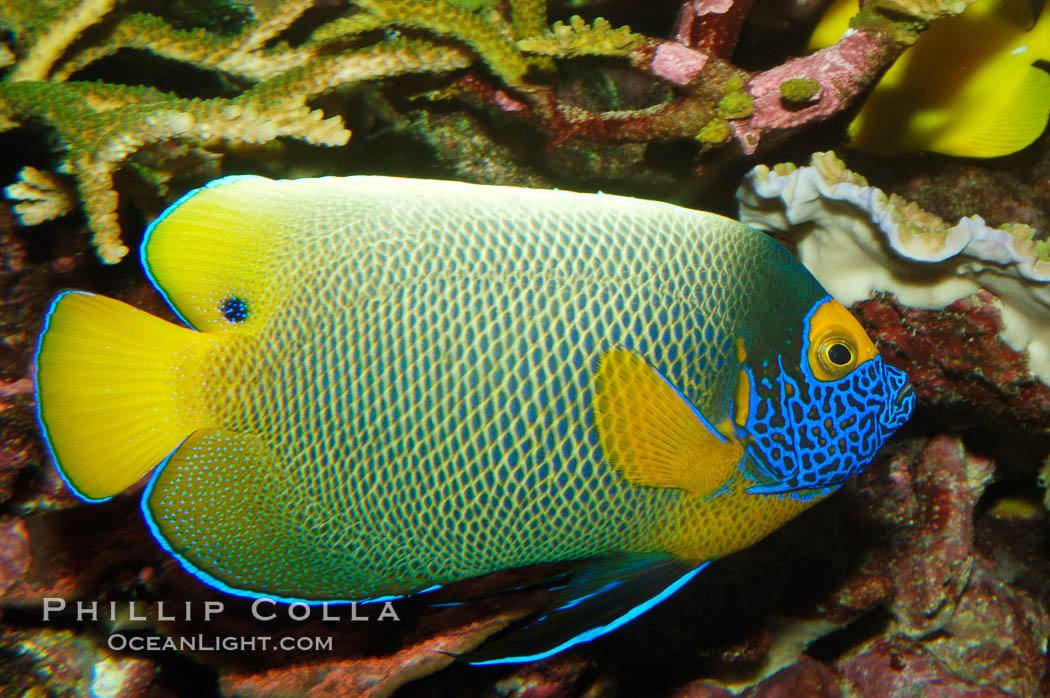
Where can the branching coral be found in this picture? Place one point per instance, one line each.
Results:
(106, 127)
(100, 125)
(577, 38)
(43, 196)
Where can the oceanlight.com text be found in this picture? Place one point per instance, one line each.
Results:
(218, 643)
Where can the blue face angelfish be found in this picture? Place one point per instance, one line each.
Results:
(390, 384)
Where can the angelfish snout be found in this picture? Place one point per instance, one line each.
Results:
(900, 408)
(905, 396)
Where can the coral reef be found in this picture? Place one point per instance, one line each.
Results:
(269, 83)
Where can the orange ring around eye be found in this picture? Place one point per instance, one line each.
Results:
(832, 368)
(829, 326)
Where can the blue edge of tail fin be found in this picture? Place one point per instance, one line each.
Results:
(36, 399)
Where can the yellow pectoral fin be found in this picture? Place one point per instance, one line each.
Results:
(653, 434)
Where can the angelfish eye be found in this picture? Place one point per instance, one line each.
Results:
(839, 354)
(837, 342)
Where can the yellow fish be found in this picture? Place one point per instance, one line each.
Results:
(968, 87)
(392, 384)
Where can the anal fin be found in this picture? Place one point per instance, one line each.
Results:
(600, 597)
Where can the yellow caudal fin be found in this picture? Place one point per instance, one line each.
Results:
(117, 390)
(653, 434)
(1019, 121)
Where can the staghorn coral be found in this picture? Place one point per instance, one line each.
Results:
(271, 82)
(100, 125)
(43, 196)
(577, 38)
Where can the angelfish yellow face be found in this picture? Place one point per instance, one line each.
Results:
(837, 342)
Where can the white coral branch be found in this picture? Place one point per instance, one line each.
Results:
(42, 196)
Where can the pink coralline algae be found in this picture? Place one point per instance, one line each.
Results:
(842, 72)
(803, 679)
(711, 25)
(928, 497)
(716, 102)
(996, 635)
(677, 63)
(898, 667)
(958, 624)
(367, 677)
(751, 105)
